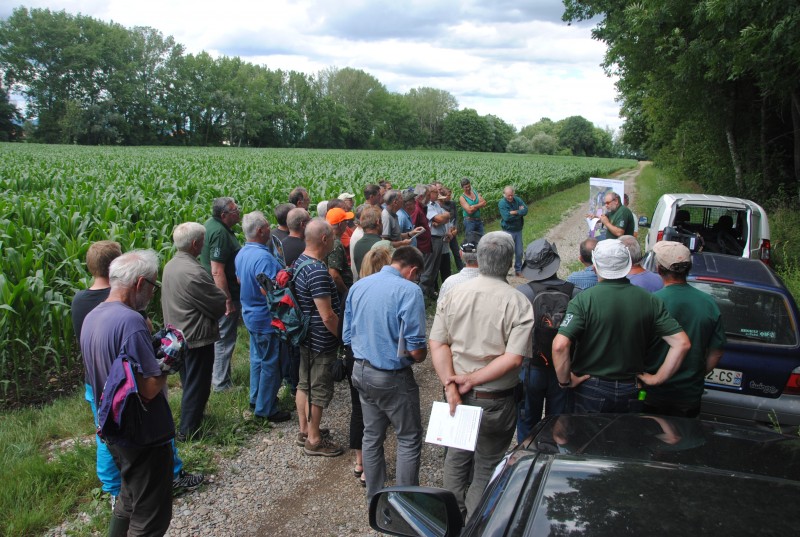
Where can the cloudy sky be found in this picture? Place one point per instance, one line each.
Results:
(514, 59)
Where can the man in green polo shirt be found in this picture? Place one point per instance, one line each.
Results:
(217, 257)
(618, 219)
(699, 315)
(611, 326)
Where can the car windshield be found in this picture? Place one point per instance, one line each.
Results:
(753, 314)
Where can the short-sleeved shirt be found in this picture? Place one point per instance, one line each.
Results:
(649, 281)
(109, 329)
(221, 246)
(313, 281)
(337, 260)
(611, 326)
(477, 335)
(380, 310)
(623, 218)
(363, 246)
(84, 302)
(252, 259)
(292, 248)
(434, 210)
(391, 226)
(700, 318)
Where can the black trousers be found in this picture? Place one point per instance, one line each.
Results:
(196, 379)
(146, 494)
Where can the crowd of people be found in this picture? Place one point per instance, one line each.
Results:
(622, 342)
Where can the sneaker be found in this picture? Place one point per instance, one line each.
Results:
(113, 503)
(301, 437)
(325, 448)
(186, 482)
(279, 416)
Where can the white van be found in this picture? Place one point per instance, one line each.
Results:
(720, 224)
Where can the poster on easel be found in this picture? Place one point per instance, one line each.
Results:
(598, 188)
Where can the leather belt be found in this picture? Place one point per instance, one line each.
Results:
(492, 395)
(368, 364)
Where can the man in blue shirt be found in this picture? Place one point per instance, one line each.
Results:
(586, 278)
(512, 218)
(384, 322)
(265, 370)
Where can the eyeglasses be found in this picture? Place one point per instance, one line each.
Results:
(154, 284)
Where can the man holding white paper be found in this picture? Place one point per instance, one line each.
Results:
(480, 334)
(384, 323)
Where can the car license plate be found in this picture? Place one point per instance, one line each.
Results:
(724, 377)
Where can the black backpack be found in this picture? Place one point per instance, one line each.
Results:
(549, 306)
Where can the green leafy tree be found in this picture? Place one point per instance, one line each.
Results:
(519, 144)
(501, 133)
(431, 106)
(544, 144)
(10, 119)
(576, 133)
(465, 130)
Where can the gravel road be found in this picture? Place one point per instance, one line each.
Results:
(272, 488)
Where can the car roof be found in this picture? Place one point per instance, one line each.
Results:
(682, 441)
(712, 200)
(737, 269)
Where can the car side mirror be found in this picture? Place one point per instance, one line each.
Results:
(644, 222)
(415, 511)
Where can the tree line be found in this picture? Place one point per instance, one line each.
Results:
(710, 87)
(86, 81)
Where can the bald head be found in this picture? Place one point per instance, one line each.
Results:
(318, 232)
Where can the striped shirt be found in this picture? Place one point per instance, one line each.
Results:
(313, 281)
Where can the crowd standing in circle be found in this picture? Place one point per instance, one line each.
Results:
(362, 276)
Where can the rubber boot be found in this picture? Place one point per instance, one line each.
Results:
(118, 527)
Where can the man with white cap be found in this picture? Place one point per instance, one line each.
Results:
(611, 326)
(699, 315)
(549, 297)
(347, 198)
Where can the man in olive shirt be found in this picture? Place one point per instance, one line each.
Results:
(699, 315)
(618, 219)
(613, 324)
(477, 353)
(217, 257)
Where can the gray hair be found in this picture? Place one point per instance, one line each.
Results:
(296, 218)
(633, 246)
(252, 222)
(390, 196)
(420, 190)
(495, 254)
(469, 258)
(220, 205)
(316, 229)
(185, 234)
(126, 270)
(408, 195)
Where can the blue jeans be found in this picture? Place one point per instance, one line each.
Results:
(595, 395)
(517, 236)
(389, 398)
(107, 471)
(540, 386)
(265, 373)
(473, 228)
(223, 349)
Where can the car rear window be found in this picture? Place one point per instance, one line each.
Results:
(753, 314)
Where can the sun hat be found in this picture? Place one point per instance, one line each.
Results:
(346, 195)
(611, 259)
(673, 256)
(541, 260)
(338, 215)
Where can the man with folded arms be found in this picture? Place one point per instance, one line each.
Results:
(384, 322)
(477, 353)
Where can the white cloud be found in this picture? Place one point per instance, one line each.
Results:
(515, 60)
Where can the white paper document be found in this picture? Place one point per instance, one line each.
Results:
(459, 431)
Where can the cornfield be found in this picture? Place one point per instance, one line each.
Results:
(57, 200)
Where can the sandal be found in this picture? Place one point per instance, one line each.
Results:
(356, 471)
(363, 481)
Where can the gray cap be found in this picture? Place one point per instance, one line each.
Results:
(541, 260)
